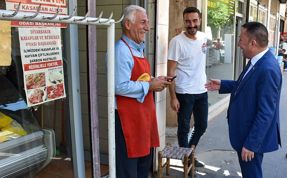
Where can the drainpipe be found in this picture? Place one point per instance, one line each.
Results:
(75, 100)
(93, 92)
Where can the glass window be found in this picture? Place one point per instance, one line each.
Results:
(33, 104)
(262, 15)
(220, 55)
(240, 6)
(272, 29)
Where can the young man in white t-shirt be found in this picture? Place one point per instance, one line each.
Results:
(187, 60)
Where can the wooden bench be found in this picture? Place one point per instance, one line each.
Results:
(179, 153)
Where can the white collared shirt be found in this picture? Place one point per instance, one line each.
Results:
(254, 60)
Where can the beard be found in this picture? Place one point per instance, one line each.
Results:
(191, 30)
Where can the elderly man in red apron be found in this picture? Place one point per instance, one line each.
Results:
(136, 124)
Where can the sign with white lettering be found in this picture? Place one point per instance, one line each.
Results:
(42, 63)
(47, 7)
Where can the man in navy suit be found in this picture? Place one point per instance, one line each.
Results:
(253, 112)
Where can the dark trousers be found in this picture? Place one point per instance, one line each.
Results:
(196, 104)
(253, 168)
(129, 167)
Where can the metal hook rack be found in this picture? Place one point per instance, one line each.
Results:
(98, 19)
(34, 15)
(56, 17)
(70, 16)
(14, 13)
(105, 21)
(82, 18)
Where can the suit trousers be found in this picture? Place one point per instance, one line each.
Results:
(129, 167)
(253, 168)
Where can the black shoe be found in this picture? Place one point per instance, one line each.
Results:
(198, 163)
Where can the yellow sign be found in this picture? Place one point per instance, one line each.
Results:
(5, 43)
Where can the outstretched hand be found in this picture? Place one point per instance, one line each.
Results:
(213, 84)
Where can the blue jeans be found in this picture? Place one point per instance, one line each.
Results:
(196, 104)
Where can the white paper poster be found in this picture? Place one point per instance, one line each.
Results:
(41, 55)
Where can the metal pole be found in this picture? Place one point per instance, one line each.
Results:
(111, 100)
(75, 102)
(93, 92)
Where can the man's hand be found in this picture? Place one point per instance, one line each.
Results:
(213, 84)
(158, 84)
(247, 155)
(174, 104)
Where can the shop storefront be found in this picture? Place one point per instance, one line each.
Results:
(33, 84)
(40, 102)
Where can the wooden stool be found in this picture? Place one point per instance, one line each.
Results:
(179, 153)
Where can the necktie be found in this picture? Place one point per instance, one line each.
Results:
(242, 76)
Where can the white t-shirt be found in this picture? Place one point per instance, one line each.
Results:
(190, 56)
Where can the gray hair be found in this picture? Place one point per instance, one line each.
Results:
(129, 13)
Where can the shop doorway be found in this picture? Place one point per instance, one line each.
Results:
(238, 63)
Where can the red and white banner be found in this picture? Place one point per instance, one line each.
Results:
(47, 7)
(41, 55)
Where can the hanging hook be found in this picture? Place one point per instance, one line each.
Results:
(35, 14)
(14, 13)
(54, 16)
(106, 21)
(122, 17)
(82, 19)
(97, 19)
(70, 16)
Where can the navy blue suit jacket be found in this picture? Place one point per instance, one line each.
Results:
(253, 113)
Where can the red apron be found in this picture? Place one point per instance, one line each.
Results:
(138, 120)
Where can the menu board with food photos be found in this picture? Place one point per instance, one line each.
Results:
(41, 55)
